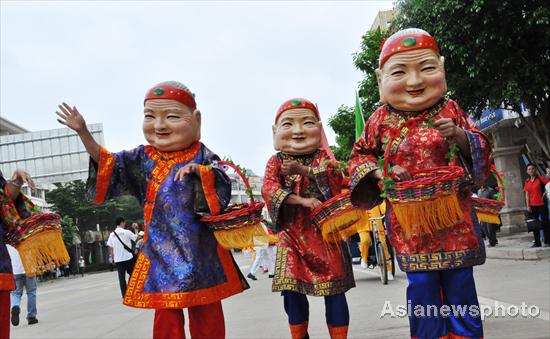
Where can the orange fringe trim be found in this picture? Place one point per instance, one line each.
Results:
(41, 250)
(340, 225)
(488, 217)
(248, 236)
(427, 217)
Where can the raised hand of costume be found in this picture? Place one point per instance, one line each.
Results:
(70, 117)
(291, 167)
(185, 170)
(19, 177)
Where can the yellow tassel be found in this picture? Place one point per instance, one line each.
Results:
(332, 227)
(427, 217)
(248, 236)
(488, 217)
(364, 244)
(41, 250)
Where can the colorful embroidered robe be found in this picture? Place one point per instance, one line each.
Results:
(180, 264)
(304, 264)
(6, 276)
(415, 149)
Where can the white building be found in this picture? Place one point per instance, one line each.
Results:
(50, 156)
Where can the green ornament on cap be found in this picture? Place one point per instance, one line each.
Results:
(158, 91)
(408, 42)
(296, 103)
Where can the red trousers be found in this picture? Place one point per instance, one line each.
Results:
(4, 314)
(205, 321)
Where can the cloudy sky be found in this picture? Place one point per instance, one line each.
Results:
(241, 58)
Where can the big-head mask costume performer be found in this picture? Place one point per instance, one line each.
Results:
(297, 179)
(411, 80)
(180, 264)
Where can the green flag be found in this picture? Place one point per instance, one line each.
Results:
(359, 119)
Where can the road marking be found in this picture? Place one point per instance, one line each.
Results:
(543, 315)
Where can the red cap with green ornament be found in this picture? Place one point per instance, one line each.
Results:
(297, 103)
(172, 90)
(406, 40)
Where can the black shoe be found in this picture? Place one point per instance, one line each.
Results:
(15, 315)
(271, 276)
(32, 320)
(536, 245)
(251, 276)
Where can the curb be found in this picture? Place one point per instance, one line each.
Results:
(518, 253)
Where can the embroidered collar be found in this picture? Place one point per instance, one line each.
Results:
(303, 159)
(427, 113)
(177, 156)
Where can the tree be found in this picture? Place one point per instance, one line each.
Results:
(342, 122)
(68, 230)
(497, 54)
(68, 200)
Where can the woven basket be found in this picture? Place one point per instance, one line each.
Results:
(428, 202)
(39, 242)
(488, 210)
(240, 225)
(336, 217)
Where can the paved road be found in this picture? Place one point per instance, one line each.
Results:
(90, 307)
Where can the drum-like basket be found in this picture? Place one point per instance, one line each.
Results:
(240, 224)
(39, 241)
(336, 217)
(429, 201)
(488, 210)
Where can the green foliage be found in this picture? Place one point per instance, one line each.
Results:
(366, 60)
(68, 200)
(68, 230)
(342, 122)
(343, 125)
(497, 53)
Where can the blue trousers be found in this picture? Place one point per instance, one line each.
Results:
(454, 288)
(22, 281)
(297, 309)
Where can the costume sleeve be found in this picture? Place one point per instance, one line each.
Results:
(365, 192)
(274, 194)
(213, 189)
(117, 174)
(327, 175)
(479, 163)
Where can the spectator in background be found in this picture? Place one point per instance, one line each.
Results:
(534, 197)
(81, 265)
(489, 230)
(22, 281)
(120, 244)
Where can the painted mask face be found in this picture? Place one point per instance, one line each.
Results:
(169, 125)
(297, 131)
(413, 80)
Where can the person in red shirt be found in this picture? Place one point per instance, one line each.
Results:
(534, 196)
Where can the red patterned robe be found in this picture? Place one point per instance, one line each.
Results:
(304, 264)
(421, 147)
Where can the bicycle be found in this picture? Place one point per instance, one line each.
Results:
(380, 253)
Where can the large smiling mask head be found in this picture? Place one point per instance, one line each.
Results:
(297, 129)
(171, 120)
(411, 74)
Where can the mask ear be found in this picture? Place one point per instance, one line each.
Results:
(274, 130)
(378, 73)
(442, 65)
(198, 119)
